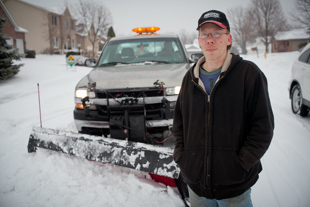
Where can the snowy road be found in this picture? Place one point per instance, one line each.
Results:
(48, 178)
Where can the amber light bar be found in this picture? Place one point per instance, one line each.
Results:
(145, 29)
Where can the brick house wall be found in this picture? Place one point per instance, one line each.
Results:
(282, 46)
(68, 30)
(63, 30)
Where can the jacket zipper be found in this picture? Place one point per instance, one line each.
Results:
(207, 179)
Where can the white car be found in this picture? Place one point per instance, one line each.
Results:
(299, 86)
(80, 59)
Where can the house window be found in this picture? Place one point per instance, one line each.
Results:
(54, 20)
(66, 24)
(71, 24)
(56, 43)
(72, 43)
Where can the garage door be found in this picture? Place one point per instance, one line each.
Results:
(20, 46)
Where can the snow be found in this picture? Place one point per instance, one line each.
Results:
(48, 178)
(295, 34)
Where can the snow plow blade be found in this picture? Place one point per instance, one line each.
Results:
(139, 156)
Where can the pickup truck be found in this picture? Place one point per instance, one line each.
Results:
(132, 91)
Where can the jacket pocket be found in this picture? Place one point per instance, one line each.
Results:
(191, 163)
(226, 168)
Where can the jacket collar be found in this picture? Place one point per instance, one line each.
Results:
(202, 60)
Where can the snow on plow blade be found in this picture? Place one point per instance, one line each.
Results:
(139, 156)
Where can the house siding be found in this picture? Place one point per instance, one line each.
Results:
(10, 31)
(35, 23)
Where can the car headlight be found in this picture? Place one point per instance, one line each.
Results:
(173, 90)
(82, 93)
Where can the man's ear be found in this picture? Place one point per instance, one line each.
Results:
(229, 39)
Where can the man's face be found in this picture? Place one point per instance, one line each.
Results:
(214, 48)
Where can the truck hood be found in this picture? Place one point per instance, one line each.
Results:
(132, 76)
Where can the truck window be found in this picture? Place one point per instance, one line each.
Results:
(143, 50)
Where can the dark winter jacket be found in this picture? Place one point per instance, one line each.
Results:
(220, 138)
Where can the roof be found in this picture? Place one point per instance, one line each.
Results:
(55, 10)
(295, 34)
(16, 27)
(192, 48)
(58, 10)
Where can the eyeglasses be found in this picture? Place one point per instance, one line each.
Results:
(213, 34)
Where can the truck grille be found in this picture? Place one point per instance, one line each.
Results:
(153, 111)
(134, 93)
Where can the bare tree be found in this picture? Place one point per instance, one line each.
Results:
(186, 37)
(242, 27)
(269, 19)
(302, 16)
(95, 19)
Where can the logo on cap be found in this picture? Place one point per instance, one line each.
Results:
(212, 14)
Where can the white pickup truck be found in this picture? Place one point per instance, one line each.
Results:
(132, 90)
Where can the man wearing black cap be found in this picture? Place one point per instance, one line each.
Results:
(223, 121)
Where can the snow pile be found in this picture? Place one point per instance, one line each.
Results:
(48, 178)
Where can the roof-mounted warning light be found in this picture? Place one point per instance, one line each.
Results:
(141, 30)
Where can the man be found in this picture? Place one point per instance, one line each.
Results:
(223, 121)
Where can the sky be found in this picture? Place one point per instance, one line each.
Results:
(172, 16)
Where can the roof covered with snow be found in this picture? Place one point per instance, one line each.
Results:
(59, 10)
(295, 34)
(193, 47)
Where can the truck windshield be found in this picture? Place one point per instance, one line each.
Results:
(141, 51)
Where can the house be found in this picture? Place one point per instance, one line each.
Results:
(289, 41)
(51, 30)
(192, 48)
(13, 30)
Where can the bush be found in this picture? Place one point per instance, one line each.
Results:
(30, 54)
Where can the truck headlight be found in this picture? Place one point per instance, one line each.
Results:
(82, 93)
(173, 90)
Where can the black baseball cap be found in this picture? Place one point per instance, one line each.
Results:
(215, 17)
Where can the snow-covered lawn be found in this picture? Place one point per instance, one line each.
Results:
(49, 178)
